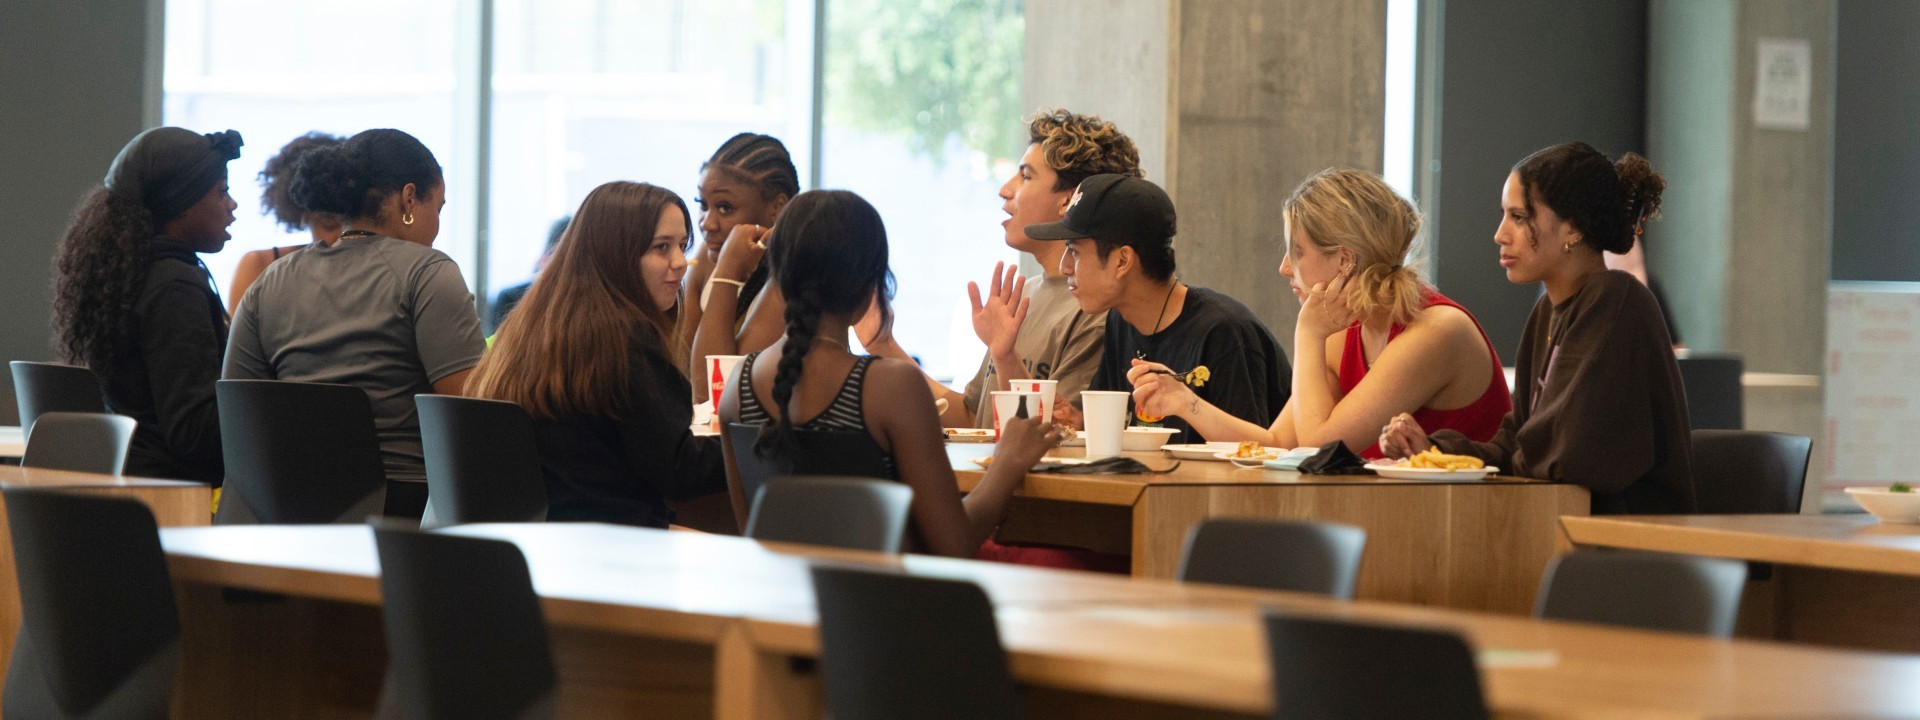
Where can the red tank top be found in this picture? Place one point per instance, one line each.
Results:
(1478, 420)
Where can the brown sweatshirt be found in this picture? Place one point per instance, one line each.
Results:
(1597, 402)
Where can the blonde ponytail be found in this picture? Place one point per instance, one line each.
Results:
(1338, 208)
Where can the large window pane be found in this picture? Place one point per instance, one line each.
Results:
(587, 91)
(923, 119)
(277, 70)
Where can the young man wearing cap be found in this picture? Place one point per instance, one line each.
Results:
(1054, 339)
(1119, 260)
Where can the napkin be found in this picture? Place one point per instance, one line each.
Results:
(1334, 459)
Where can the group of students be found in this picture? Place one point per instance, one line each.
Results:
(605, 348)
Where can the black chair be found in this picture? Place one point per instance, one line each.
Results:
(1714, 393)
(40, 387)
(1749, 471)
(1651, 591)
(822, 452)
(1342, 670)
(82, 442)
(853, 513)
(99, 634)
(298, 453)
(898, 646)
(482, 462)
(1309, 557)
(465, 637)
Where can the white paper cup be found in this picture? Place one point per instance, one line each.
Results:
(1046, 388)
(719, 368)
(1006, 406)
(1106, 413)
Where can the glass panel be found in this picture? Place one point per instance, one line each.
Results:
(275, 71)
(588, 91)
(923, 119)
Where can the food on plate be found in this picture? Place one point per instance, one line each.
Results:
(1433, 459)
(1251, 449)
(1900, 488)
(984, 461)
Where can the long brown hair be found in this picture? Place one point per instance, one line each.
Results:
(564, 349)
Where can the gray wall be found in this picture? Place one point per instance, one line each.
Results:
(1876, 144)
(1516, 76)
(74, 79)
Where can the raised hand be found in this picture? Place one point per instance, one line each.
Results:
(997, 317)
(741, 254)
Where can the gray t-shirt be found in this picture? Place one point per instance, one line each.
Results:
(385, 315)
(1057, 342)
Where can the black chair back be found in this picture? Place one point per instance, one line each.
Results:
(465, 637)
(898, 646)
(838, 453)
(82, 442)
(1748, 471)
(298, 453)
(42, 387)
(483, 464)
(1651, 591)
(1291, 555)
(99, 634)
(852, 513)
(1714, 394)
(1327, 669)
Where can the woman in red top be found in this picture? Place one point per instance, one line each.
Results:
(1392, 344)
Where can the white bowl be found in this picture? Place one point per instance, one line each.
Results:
(1143, 439)
(1890, 507)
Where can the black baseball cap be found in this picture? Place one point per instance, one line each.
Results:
(1115, 208)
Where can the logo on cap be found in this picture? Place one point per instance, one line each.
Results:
(1075, 200)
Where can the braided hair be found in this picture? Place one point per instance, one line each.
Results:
(829, 256)
(760, 160)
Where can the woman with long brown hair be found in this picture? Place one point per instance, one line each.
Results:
(589, 354)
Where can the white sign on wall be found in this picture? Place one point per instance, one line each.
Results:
(1872, 384)
(1783, 84)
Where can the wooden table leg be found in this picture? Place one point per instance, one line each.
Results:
(751, 684)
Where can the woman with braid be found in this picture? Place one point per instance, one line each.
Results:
(722, 309)
(133, 303)
(828, 259)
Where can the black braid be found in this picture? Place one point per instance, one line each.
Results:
(803, 323)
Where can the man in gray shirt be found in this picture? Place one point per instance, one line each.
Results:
(1054, 340)
(391, 317)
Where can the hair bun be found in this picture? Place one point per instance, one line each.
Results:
(1642, 185)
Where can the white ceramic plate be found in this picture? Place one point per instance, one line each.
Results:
(1889, 507)
(1399, 472)
(1048, 460)
(969, 435)
(1199, 451)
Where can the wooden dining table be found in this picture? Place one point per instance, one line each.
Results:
(283, 621)
(1471, 544)
(1844, 580)
(174, 503)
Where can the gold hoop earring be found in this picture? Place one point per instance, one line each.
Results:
(406, 219)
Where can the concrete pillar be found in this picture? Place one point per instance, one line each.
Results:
(1233, 103)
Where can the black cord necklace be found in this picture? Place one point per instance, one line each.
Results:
(1152, 337)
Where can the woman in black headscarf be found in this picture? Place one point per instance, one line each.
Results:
(133, 303)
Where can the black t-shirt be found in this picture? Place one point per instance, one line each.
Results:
(1250, 375)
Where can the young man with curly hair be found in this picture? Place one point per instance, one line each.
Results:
(1033, 328)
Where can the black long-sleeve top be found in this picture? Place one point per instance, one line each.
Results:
(624, 470)
(165, 366)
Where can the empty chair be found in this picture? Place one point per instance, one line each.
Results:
(898, 646)
(822, 452)
(465, 637)
(1676, 593)
(853, 513)
(40, 387)
(1274, 554)
(99, 633)
(298, 453)
(1749, 471)
(1712, 382)
(83, 442)
(482, 462)
(1342, 670)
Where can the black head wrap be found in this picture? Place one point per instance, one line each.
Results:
(169, 168)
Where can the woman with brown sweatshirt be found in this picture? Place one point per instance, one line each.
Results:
(1598, 400)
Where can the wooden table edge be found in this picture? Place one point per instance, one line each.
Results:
(1739, 545)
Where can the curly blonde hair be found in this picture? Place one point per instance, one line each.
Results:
(1078, 147)
(1338, 208)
